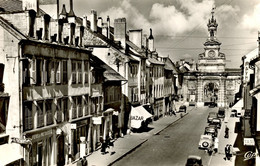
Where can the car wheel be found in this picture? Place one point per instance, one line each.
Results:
(205, 144)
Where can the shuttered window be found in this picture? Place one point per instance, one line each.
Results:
(49, 113)
(40, 115)
(28, 116)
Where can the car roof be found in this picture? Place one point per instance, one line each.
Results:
(194, 157)
(216, 119)
(206, 136)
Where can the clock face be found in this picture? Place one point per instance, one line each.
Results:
(211, 53)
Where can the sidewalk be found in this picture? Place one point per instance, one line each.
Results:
(218, 158)
(128, 143)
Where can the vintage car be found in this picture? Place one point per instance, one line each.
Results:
(211, 116)
(183, 108)
(211, 130)
(206, 141)
(217, 122)
(193, 160)
(221, 112)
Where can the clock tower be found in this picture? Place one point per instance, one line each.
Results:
(212, 60)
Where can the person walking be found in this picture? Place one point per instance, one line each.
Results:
(226, 132)
(226, 152)
(84, 161)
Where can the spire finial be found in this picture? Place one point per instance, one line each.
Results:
(213, 11)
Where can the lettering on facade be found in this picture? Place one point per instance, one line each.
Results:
(43, 134)
(249, 142)
(137, 118)
(249, 155)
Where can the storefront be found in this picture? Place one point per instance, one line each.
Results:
(81, 142)
(42, 151)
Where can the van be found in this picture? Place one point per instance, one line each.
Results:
(221, 112)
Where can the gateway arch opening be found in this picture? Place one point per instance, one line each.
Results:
(211, 94)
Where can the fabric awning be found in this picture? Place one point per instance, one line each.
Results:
(139, 114)
(9, 153)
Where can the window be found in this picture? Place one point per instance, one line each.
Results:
(58, 72)
(86, 105)
(86, 72)
(79, 72)
(65, 109)
(49, 114)
(40, 115)
(28, 116)
(32, 76)
(64, 72)
(39, 71)
(74, 72)
(79, 105)
(74, 107)
(50, 71)
(59, 111)
(26, 73)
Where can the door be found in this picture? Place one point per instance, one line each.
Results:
(40, 155)
(60, 153)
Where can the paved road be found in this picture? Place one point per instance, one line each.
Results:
(174, 144)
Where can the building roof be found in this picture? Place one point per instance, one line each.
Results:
(11, 29)
(10, 6)
(155, 61)
(109, 73)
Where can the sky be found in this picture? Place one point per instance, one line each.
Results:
(180, 26)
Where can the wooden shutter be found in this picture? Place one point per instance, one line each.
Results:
(33, 71)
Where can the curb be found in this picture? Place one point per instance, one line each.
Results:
(128, 152)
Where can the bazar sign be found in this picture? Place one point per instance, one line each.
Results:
(43, 134)
(137, 118)
(249, 142)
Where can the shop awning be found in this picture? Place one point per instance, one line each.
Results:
(139, 114)
(9, 153)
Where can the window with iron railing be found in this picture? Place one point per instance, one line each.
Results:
(28, 116)
(79, 106)
(74, 107)
(59, 111)
(40, 115)
(49, 113)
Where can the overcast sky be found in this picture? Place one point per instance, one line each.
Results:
(180, 26)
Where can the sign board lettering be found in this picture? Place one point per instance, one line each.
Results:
(249, 142)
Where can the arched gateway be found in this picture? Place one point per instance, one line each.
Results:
(208, 83)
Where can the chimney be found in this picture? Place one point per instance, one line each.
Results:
(151, 41)
(120, 31)
(93, 21)
(135, 36)
(71, 14)
(85, 21)
(100, 22)
(108, 27)
(63, 14)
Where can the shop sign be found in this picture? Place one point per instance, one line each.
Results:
(26, 141)
(249, 155)
(43, 134)
(249, 142)
(96, 120)
(73, 126)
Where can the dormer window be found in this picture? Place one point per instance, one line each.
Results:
(46, 26)
(32, 15)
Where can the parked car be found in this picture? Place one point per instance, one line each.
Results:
(192, 103)
(211, 130)
(183, 108)
(212, 105)
(206, 141)
(221, 112)
(194, 160)
(217, 122)
(211, 116)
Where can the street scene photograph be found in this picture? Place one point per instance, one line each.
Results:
(129, 82)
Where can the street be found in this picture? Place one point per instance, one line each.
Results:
(173, 145)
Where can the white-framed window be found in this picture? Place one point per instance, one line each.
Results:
(58, 71)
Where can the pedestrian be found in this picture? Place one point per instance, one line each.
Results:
(226, 153)
(84, 161)
(103, 146)
(229, 151)
(216, 145)
(226, 132)
(173, 112)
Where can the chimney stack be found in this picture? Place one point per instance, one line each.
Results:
(71, 14)
(100, 22)
(108, 27)
(120, 31)
(85, 21)
(135, 36)
(151, 41)
(93, 21)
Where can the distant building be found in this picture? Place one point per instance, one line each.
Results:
(212, 82)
